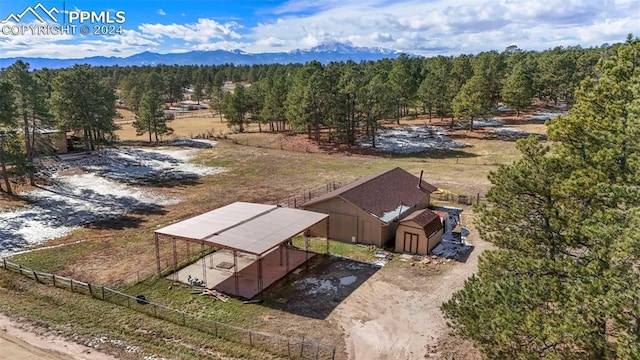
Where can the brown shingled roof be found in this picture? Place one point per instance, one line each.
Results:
(427, 219)
(381, 193)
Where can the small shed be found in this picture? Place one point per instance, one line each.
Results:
(419, 232)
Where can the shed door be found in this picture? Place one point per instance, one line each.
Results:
(411, 242)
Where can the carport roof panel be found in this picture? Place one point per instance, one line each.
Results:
(248, 227)
(202, 226)
(265, 232)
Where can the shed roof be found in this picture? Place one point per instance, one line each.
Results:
(382, 193)
(425, 218)
(247, 227)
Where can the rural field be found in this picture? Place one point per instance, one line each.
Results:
(93, 221)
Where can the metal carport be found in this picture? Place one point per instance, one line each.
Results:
(255, 229)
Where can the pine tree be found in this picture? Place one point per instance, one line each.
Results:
(564, 280)
(151, 118)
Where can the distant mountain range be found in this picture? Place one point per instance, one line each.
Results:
(323, 54)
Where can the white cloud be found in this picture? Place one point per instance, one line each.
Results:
(432, 27)
(202, 32)
(161, 12)
(449, 26)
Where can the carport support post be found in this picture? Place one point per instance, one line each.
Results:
(157, 253)
(204, 264)
(260, 277)
(175, 259)
(328, 251)
(306, 251)
(235, 272)
(286, 255)
(281, 255)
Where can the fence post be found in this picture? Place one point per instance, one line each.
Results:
(102, 292)
(302, 347)
(250, 339)
(90, 291)
(35, 276)
(289, 348)
(4, 263)
(333, 355)
(54, 280)
(71, 281)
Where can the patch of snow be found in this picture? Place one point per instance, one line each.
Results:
(348, 280)
(354, 266)
(135, 166)
(72, 202)
(314, 286)
(103, 193)
(413, 139)
(452, 250)
(544, 115)
(389, 216)
(487, 123)
(195, 143)
(509, 131)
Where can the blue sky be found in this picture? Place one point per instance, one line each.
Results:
(424, 27)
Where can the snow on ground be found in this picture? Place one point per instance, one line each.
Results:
(544, 115)
(509, 131)
(348, 280)
(452, 250)
(314, 286)
(413, 139)
(138, 166)
(195, 143)
(104, 191)
(487, 123)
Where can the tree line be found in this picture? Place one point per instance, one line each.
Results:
(347, 99)
(564, 280)
(339, 101)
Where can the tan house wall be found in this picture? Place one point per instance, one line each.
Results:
(60, 143)
(425, 244)
(346, 221)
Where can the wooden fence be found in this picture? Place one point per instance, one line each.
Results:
(278, 345)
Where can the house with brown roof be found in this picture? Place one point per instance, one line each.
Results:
(419, 232)
(367, 211)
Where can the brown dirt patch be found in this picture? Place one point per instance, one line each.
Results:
(19, 340)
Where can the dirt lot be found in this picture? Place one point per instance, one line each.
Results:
(395, 314)
(389, 312)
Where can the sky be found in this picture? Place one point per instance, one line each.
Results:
(423, 27)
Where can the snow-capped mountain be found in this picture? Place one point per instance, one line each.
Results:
(323, 53)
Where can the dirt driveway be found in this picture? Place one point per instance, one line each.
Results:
(395, 314)
(20, 341)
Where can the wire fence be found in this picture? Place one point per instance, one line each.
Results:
(462, 199)
(296, 201)
(302, 348)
